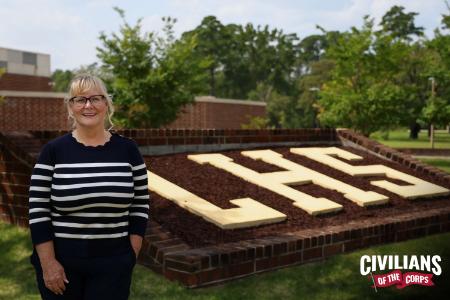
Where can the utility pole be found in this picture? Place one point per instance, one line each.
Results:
(433, 94)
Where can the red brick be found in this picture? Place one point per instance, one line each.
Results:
(18, 82)
(329, 250)
(352, 245)
(187, 278)
(156, 141)
(312, 254)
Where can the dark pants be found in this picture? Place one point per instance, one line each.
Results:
(91, 278)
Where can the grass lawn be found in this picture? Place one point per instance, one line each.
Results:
(336, 278)
(443, 164)
(400, 139)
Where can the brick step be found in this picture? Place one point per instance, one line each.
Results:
(15, 178)
(12, 199)
(16, 189)
(5, 154)
(23, 139)
(14, 210)
(14, 167)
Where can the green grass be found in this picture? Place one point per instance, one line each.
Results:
(400, 139)
(443, 164)
(336, 278)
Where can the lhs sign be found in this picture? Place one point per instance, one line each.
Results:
(250, 212)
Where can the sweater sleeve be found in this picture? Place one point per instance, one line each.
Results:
(39, 198)
(139, 209)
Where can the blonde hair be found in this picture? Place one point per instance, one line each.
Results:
(83, 83)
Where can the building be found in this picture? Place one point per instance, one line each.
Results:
(25, 71)
(29, 103)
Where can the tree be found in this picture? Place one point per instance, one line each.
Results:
(437, 111)
(438, 66)
(400, 25)
(312, 48)
(153, 76)
(212, 44)
(61, 80)
(362, 92)
(310, 86)
(245, 56)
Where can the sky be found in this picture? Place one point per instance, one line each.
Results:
(68, 30)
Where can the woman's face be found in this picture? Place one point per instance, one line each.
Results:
(89, 113)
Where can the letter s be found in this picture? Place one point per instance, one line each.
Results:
(437, 267)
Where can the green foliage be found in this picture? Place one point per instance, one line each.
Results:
(380, 78)
(256, 123)
(243, 56)
(212, 44)
(356, 96)
(263, 92)
(399, 24)
(61, 80)
(437, 111)
(153, 76)
(309, 86)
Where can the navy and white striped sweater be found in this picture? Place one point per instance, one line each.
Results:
(88, 199)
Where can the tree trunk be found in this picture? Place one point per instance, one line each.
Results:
(414, 129)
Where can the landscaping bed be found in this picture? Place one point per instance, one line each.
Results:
(218, 187)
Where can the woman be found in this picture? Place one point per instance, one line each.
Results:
(88, 203)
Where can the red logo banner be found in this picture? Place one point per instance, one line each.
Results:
(402, 280)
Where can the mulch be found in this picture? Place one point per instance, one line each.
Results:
(219, 187)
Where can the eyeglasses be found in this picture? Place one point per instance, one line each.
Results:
(80, 101)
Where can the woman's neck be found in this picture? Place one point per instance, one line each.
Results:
(91, 136)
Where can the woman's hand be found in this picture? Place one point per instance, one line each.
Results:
(53, 272)
(136, 243)
(54, 276)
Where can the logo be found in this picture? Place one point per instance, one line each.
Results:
(281, 183)
(413, 263)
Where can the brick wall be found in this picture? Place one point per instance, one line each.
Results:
(49, 113)
(18, 82)
(14, 183)
(167, 254)
(177, 137)
(215, 114)
(24, 113)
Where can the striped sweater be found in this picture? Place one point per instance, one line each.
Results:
(88, 199)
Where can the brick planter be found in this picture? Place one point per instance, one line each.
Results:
(194, 267)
